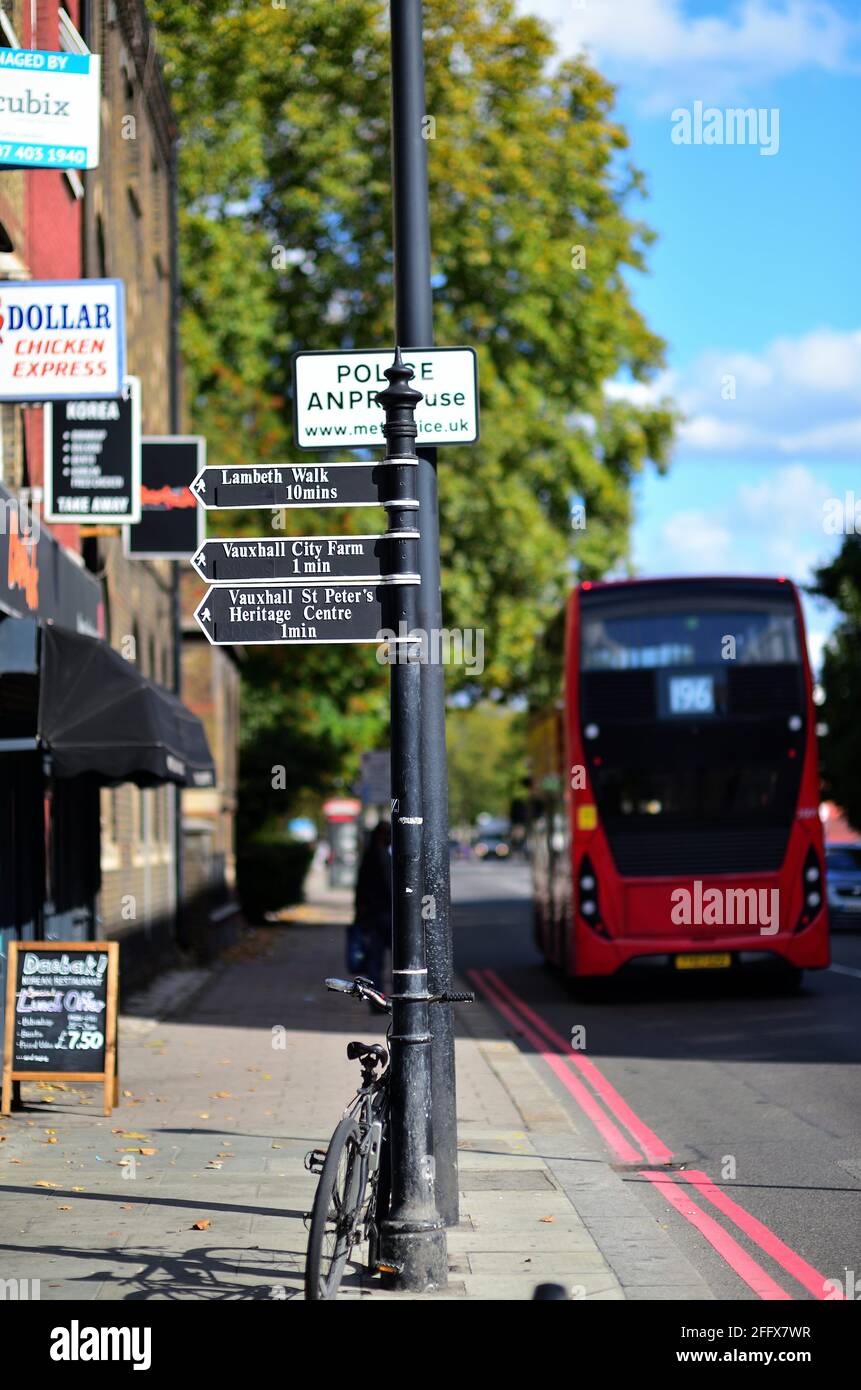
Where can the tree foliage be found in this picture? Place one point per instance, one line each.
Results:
(840, 747)
(286, 244)
(486, 761)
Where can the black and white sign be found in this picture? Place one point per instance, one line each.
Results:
(289, 485)
(334, 397)
(171, 524)
(301, 558)
(249, 614)
(61, 1002)
(93, 459)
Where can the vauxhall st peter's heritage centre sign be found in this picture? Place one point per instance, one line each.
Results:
(334, 397)
(93, 459)
(49, 109)
(61, 339)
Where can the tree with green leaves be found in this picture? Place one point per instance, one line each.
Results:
(840, 747)
(286, 244)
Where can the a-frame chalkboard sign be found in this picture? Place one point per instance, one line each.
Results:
(61, 1015)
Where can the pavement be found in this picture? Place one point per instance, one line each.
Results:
(194, 1188)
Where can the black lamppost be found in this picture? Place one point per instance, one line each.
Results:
(414, 328)
(413, 1236)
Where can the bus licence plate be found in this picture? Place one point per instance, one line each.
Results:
(718, 960)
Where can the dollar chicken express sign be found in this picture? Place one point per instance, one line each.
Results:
(61, 339)
(334, 397)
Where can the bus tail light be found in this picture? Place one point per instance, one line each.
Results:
(811, 890)
(587, 896)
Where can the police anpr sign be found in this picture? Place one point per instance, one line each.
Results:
(93, 459)
(334, 394)
(61, 339)
(49, 109)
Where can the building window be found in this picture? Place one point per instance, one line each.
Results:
(8, 37)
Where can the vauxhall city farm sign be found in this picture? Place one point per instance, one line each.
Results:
(49, 109)
(304, 557)
(334, 397)
(61, 339)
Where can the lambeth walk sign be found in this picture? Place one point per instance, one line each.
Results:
(265, 614)
(289, 485)
(335, 405)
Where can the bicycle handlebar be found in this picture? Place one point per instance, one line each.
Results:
(366, 989)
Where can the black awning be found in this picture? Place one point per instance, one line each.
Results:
(98, 715)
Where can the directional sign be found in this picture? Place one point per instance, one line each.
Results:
(307, 557)
(248, 614)
(289, 485)
(93, 459)
(334, 397)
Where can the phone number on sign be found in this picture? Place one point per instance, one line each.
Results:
(42, 154)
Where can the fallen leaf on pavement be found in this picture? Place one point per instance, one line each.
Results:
(64, 1208)
(221, 1095)
(201, 1225)
(547, 1218)
(214, 1165)
(43, 1182)
(204, 1115)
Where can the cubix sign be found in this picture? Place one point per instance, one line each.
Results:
(49, 109)
(61, 339)
(335, 406)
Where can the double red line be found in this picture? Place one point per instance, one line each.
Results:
(631, 1140)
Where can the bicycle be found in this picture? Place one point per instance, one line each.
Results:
(352, 1198)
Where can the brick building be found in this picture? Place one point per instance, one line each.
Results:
(117, 221)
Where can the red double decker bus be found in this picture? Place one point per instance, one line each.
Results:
(675, 788)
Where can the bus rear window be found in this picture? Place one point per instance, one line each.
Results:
(614, 640)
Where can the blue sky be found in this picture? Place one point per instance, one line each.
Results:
(754, 280)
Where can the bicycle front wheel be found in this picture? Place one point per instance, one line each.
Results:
(336, 1212)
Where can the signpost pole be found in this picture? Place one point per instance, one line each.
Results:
(413, 1240)
(414, 328)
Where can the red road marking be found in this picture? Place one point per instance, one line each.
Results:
(806, 1275)
(654, 1148)
(612, 1136)
(729, 1250)
(532, 1026)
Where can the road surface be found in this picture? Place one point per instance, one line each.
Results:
(761, 1093)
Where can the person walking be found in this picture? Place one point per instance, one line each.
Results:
(374, 901)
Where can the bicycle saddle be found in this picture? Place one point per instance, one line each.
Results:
(360, 1049)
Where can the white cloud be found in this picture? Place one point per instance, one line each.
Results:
(799, 397)
(658, 46)
(695, 541)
